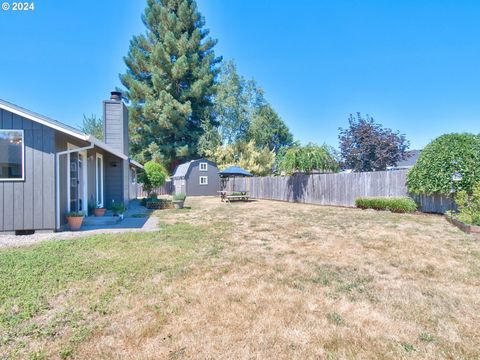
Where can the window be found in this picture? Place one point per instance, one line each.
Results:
(203, 166)
(11, 155)
(203, 180)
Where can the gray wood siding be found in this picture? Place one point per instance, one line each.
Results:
(30, 204)
(114, 179)
(115, 117)
(192, 183)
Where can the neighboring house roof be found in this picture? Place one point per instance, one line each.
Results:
(64, 128)
(411, 159)
(234, 171)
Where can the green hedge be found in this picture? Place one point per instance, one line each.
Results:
(443, 157)
(398, 205)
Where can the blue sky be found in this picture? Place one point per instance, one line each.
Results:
(413, 65)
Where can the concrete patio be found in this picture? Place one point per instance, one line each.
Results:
(136, 218)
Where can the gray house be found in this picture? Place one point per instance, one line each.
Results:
(196, 178)
(48, 168)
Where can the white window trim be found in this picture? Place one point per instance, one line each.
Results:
(200, 166)
(23, 156)
(200, 180)
(99, 203)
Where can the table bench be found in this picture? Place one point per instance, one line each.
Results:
(243, 196)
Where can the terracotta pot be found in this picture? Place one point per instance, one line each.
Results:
(178, 204)
(75, 222)
(100, 211)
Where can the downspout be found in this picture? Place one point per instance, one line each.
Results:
(57, 176)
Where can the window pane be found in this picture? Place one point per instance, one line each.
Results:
(11, 154)
(99, 181)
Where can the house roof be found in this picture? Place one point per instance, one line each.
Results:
(411, 159)
(64, 128)
(234, 171)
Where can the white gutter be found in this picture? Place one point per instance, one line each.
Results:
(137, 164)
(57, 176)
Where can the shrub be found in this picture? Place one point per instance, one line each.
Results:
(179, 197)
(398, 205)
(441, 159)
(75, 214)
(117, 207)
(153, 176)
(159, 204)
(468, 206)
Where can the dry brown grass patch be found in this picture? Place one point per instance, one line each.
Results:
(295, 281)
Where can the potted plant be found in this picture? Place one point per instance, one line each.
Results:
(75, 219)
(118, 208)
(179, 200)
(100, 210)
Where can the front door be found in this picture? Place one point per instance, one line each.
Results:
(74, 182)
(99, 179)
(77, 182)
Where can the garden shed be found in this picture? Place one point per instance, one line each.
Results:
(196, 178)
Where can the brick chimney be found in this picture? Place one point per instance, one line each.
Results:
(115, 122)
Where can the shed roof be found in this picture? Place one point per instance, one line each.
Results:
(181, 170)
(234, 171)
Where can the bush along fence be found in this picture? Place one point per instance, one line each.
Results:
(166, 189)
(337, 189)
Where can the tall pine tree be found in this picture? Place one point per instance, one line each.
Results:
(170, 82)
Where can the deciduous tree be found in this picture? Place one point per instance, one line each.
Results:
(236, 101)
(267, 129)
(367, 146)
(246, 155)
(309, 158)
(93, 126)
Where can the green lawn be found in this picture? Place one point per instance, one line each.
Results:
(43, 286)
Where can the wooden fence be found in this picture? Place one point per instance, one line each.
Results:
(335, 189)
(166, 189)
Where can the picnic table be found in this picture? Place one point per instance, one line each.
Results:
(234, 196)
